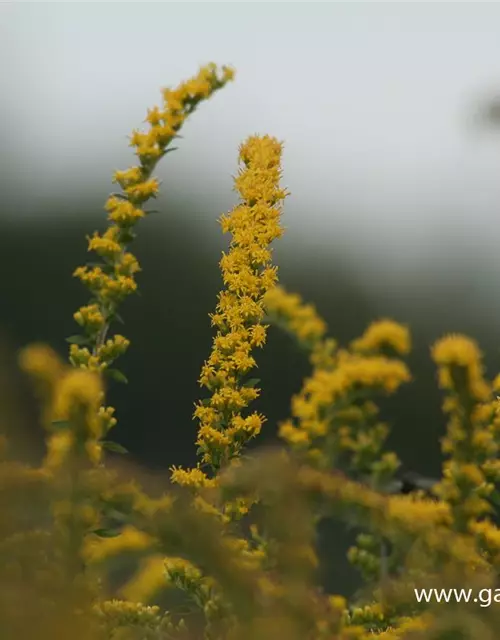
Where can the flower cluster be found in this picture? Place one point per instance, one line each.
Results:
(459, 366)
(301, 321)
(71, 400)
(289, 312)
(472, 442)
(248, 275)
(333, 413)
(114, 279)
(384, 334)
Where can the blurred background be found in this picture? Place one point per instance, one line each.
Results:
(389, 113)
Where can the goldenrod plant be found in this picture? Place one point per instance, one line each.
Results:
(235, 534)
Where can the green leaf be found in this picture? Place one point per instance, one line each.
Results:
(106, 533)
(253, 382)
(116, 447)
(77, 339)
(117, 375)
(118, 318)
(205, 402)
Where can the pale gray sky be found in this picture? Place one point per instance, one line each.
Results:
(375, 102)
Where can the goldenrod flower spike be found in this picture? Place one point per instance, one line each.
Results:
(319, 410)
(471, 441)
(248, 275)
(114, 279)
(457, 352)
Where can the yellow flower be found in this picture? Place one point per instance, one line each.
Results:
(470, 473)
(42, 363)
(384, 333)
(211, 438)
(129, 177)
(105, 246)
(119, 613)
(406, 628)
(458, 351)
(143, 191)
(300, 319)
(154, 116)
(173, 100)
(105, 414)
(115, 289)
(94, 278)
(113, 348)
(417, 514)
(293, 435)
(180, 567)
(79, 392)
(90, 318)
(191, 478)
(489, 534)
(123, 213)
(249, 426)
(337, 603)
(228, 73)
(127, 265)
